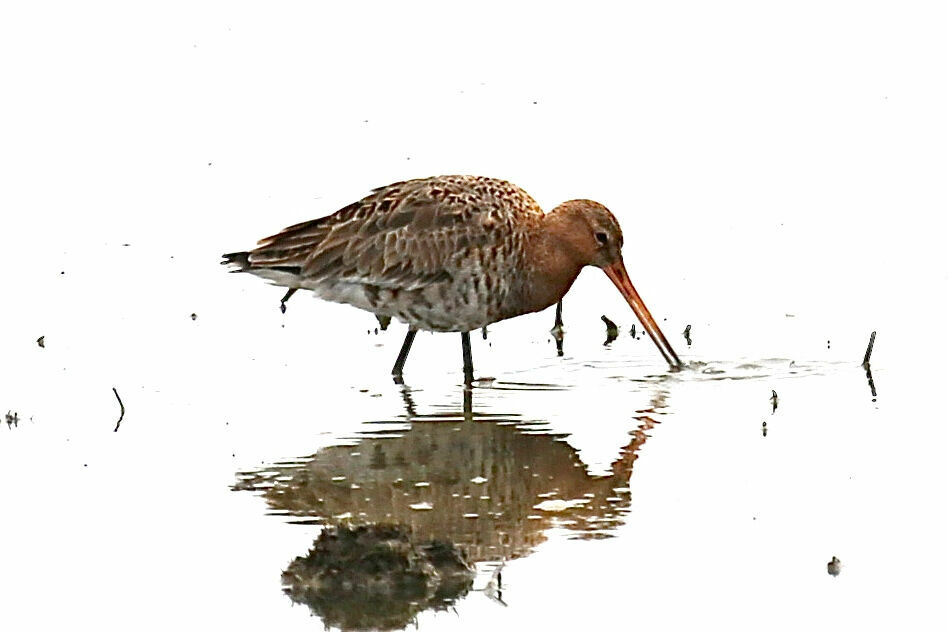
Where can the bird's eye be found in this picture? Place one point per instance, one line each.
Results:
(602, 238)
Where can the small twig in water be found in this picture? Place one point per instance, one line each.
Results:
(833, 566)
(687, 334)
(872, 341)
(121, 413)
(872, 385)
(865, 365)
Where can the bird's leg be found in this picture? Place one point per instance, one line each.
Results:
(557, 330)
(403, 354)
(468, 404)
(290, 292)
(410, 410)
(466, 352)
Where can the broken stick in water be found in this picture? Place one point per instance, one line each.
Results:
(121, 412)
(872, 385)
(872, 341)
(865, 365)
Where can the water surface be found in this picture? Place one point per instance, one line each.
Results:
(592, 486)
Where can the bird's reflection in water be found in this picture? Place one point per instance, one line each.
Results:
(487, 485)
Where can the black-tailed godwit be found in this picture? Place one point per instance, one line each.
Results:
(448, 253)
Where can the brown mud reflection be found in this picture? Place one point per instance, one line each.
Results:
(376, 576)
(490, 485)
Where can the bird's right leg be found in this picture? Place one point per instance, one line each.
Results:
(557, 330)
(403, 354)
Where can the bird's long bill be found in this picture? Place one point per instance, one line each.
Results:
(617, 274)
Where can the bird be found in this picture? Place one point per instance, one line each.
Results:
(451, 253)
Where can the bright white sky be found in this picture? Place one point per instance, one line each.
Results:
(809, 136)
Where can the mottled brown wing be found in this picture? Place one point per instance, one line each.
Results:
(405, 235)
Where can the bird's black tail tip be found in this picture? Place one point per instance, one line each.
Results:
(239, 261)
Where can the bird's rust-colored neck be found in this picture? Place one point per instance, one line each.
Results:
(552, 263)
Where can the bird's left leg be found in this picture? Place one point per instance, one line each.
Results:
(403, 354)
(466, 352)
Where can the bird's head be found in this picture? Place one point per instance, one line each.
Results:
(592, 236)
(591, 233)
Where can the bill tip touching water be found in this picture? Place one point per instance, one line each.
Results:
(449, 254)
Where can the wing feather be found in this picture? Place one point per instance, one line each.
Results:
(405, 235)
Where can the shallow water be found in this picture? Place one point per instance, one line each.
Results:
(779, 177)
(596, 486)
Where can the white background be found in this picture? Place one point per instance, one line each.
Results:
(779, 172)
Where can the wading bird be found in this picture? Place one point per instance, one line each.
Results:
(448, 254)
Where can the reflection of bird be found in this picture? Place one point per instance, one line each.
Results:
(449, 253)
(484, 484)
(492, 483)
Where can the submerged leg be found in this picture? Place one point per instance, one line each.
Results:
(403, 354)
(468, 404)
(466, 352)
